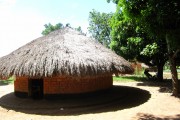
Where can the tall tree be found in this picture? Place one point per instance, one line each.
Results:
(132, 42)
(159, 18)
(99, 26)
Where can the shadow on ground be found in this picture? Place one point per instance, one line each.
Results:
(164, 87)
(117, 98)
(141, 116)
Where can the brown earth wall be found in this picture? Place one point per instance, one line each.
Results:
(21, 84)
(67, 85)
(70, 85)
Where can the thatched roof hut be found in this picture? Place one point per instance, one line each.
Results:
(64, 53)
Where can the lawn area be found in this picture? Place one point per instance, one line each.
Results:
(133, 78)
(138, 78)
(8, 81)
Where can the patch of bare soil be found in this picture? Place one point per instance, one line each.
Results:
(125, 101)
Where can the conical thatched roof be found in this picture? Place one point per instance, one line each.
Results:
(62, 52)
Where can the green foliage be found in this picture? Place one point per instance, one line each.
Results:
(99, 26)
(150, 50)
(129, 39)
(49, 28)
(130, 32)
(135, 40)
(158, 18)
(79, 29)
(133, 36)
(114, 1)
(124, 40)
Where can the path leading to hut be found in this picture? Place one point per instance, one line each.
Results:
(126, 101)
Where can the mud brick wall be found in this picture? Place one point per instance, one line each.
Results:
(67, 85)
(21, 84)
(71, 85)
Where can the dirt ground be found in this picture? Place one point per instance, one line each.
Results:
(126, 101)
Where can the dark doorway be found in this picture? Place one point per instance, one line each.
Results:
(36, 88)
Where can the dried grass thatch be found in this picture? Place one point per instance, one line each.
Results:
(63, 52)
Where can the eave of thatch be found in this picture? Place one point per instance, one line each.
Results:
(63, 52)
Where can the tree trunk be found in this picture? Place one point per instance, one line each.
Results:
(173, 68)
(160, 71)
(174, 76)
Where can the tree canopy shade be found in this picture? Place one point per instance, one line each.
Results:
(161, 19)
(99, 26)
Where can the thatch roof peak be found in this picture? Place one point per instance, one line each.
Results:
(63, 52)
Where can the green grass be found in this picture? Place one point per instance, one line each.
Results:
(138, 78)
(168, 70)
(129, 78)
(8, 81)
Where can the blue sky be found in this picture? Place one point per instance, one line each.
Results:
(22, 20)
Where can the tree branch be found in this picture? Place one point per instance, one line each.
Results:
(175, 54)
